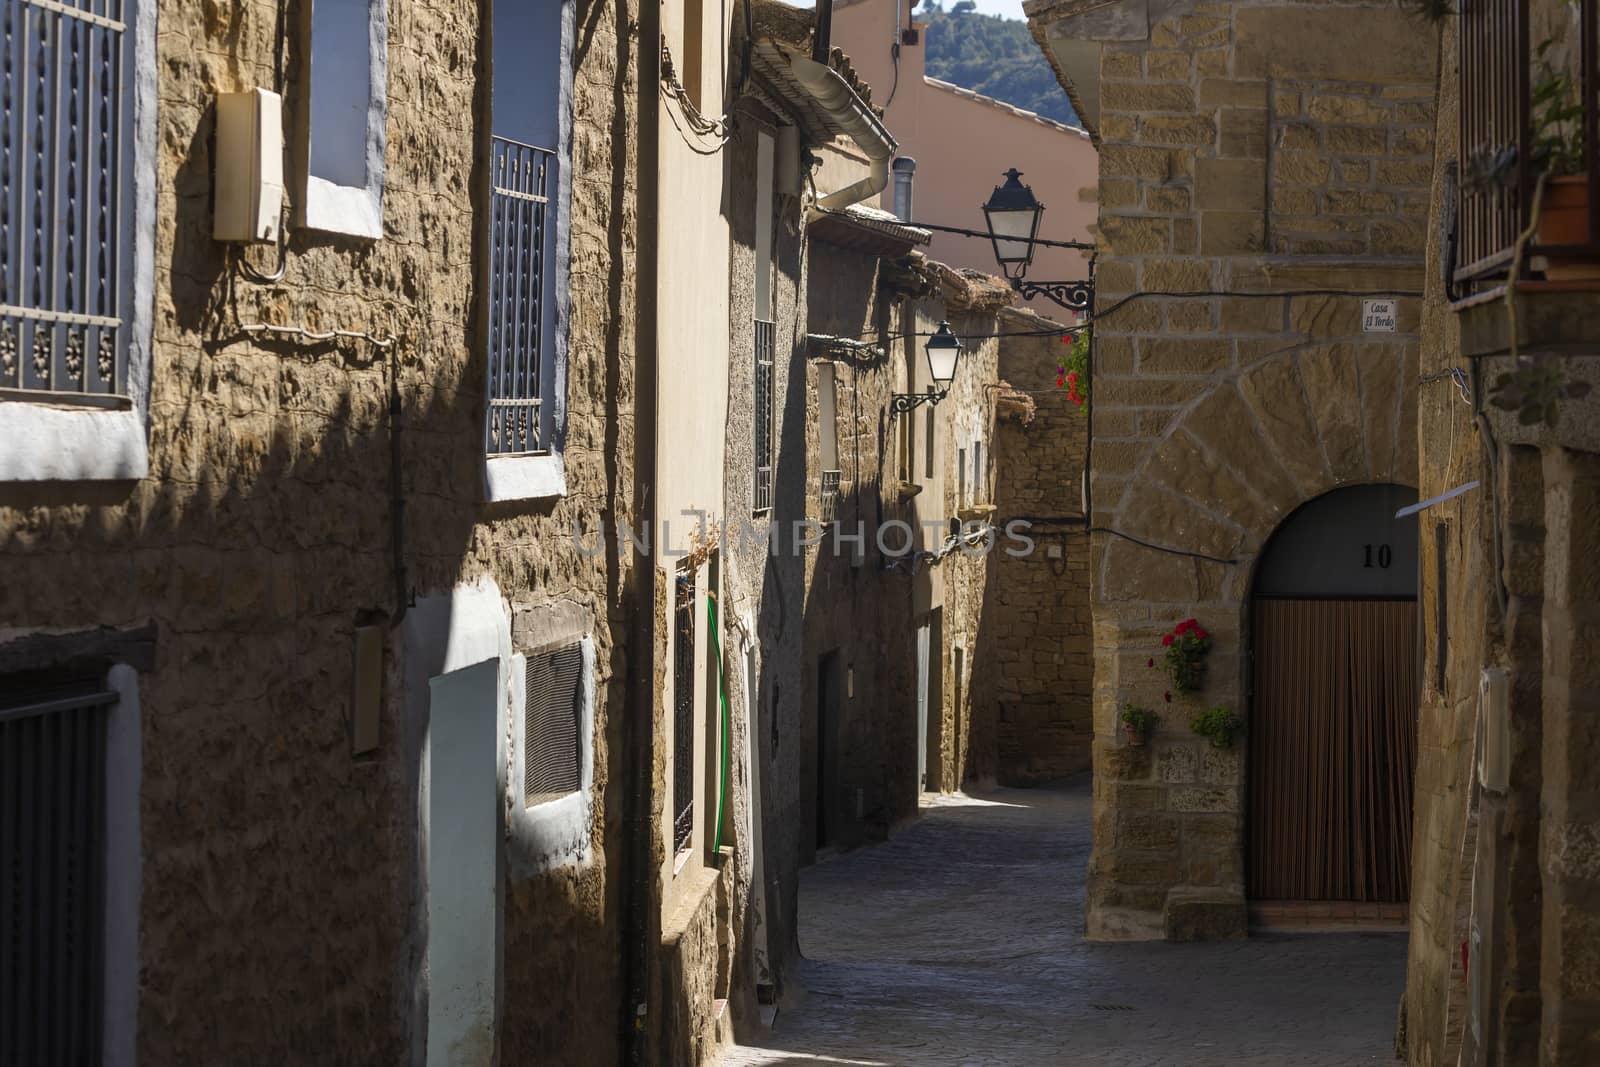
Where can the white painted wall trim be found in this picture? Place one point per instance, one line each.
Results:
(555, 833)
(443, 633)
(331, 206)
(40, 442)
(525, 477)
(124, 878)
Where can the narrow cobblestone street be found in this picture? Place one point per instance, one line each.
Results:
(959, 942)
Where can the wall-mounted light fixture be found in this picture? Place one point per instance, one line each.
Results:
(943, 350)
(1012, 214)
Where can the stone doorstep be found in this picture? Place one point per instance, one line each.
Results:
(1304, 916)
(1205, 915)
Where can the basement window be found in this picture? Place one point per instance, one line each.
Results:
(345, 112)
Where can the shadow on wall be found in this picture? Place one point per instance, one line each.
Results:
(298, 491)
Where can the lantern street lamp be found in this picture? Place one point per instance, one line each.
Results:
(943, 350)
(1013, 215)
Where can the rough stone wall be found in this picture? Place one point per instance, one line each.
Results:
(1037, 634)
(268, 529)
(968, 738)
(1233, 380)
(853, 606)
(1450, 455)
(759, 585)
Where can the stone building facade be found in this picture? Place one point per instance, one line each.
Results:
(292, 580)
(1256, 186)
(1499, 968)
(1038, 638)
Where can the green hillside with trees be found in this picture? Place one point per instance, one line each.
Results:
(993, 56)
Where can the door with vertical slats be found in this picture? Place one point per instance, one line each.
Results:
(1332, 749)
(52, 872)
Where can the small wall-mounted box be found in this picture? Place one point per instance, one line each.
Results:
(249, 193)
(1494, 730)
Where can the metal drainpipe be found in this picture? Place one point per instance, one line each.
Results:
(905, 169)
(639, 706)
(822, 39)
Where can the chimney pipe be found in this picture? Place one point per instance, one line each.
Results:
(904, 169)
(822, 40)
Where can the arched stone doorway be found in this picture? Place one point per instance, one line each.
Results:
(1333, 701)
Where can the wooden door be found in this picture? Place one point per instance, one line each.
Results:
(1332, 748)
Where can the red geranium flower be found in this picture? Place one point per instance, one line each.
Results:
(1166, 639)
(1167, 697)
(1060, 383)
(1200, 634)
(1152, 662)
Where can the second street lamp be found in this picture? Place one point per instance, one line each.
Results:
(943, 350)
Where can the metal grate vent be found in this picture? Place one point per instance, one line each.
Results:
(552, 759)
(52, 872)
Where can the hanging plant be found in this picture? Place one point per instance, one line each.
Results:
(1073, 372)
(1184, 660)
(1137, 722)
(1220, 725)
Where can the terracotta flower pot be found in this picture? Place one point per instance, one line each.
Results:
(1564, 220)
(1136, 736)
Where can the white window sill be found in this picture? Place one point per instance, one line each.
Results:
(43, 443)
(524, 478)
(343, 209)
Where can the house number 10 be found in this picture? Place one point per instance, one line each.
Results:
(1384, 556)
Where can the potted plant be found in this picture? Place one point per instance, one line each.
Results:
(1559, 153)
(1219, 724)
(1137, 722)
(1073, 374)
(1184, 659)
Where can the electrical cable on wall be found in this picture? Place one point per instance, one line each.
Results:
(1454, 374)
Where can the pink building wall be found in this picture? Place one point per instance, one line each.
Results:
(963, 144)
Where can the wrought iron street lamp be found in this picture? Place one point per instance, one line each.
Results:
(1013, 215)
(943, 350)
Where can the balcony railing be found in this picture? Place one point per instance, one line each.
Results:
(1513, 87)
(519, 249)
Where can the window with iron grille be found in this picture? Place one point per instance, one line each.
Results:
(828, 437)
(525, 244)
(763, 414)
(551, 724)
(52, 871)
(683, 713)
(519, 238)
(66, 121)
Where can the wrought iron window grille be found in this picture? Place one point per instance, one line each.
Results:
(764, 333)
(65, 164)
(521, 247)
(683, 725)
